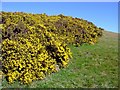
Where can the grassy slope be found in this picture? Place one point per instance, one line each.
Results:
(91, 66)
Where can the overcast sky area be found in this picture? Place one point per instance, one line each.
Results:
(102, 14)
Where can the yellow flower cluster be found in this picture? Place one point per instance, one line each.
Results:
(32, 56)
(35, 45)
(26, 61)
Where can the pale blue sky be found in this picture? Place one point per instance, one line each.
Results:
(60, 0)
(102, 14)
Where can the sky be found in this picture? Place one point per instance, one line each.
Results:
(60, 0)
(102, 14)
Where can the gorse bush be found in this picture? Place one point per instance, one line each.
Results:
(70, 30)
(27, 57)
(35, 45)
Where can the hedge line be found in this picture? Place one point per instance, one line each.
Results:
(34, 45)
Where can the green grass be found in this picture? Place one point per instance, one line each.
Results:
(91, 66)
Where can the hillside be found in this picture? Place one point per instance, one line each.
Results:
(56, 51)
(91, 66)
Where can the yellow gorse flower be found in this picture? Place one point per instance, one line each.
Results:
(36, 45)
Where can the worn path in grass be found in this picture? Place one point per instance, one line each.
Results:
(91, 66)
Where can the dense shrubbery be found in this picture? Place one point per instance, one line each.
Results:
(34, 45)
